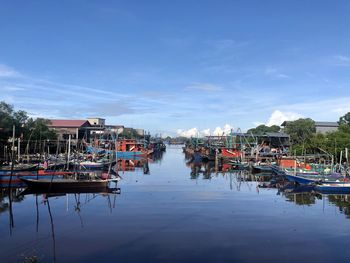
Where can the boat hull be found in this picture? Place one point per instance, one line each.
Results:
(64, 184)
(333, 189)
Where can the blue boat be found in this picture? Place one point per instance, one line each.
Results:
(333, 188)
(262, 168)
(128, 155)
(301, 179)
(305, 178)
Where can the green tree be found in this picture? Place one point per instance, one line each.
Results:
(38, 130)
(261, 129)
(345, 119)
(300, 130)
(8, 118)
(25, 127)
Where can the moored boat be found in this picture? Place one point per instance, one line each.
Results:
(63, 184)
(262, 169)
(343, 188)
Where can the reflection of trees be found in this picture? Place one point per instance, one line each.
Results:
(342, 202)
(301, 198)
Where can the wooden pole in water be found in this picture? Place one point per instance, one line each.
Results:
(19, 149)
(68, 157)
(12, 155)
(346, 156)
(340, 161)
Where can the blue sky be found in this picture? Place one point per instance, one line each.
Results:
(177, 66)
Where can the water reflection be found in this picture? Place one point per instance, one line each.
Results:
(159, 218)
(342, 202)
(80, 197)
(301, 198)
(304, 195)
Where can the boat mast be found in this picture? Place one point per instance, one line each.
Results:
(68, 157)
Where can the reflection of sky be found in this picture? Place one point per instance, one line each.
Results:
(166, 216)
(166, 67)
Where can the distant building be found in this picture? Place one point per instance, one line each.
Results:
(321, 126)
(96, 122)
(90, 128)
(324, 127)
(118, 129)
(78, 129)
(140, 132)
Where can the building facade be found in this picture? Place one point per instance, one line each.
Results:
(77, 129)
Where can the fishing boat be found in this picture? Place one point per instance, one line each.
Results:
(301, 179)
(19, 167)
(261, 169)
(94, 190)
(125, 148)
(343, 188)
(230, 153)
(6, 179)
(236, 165)
(89, 165)
(64, 184)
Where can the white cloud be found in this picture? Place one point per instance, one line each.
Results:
(274, 73)
(8, 72)
(204, 87)
(278, 117)
(205, 132)
(194, 132)
(223, 131)
(13, 88)
(342, 58)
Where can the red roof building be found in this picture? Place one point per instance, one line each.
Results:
(77, 129)
(69, 123)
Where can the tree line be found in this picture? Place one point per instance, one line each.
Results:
(305, 140)
(26, 127)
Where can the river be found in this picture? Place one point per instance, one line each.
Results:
(168, 213)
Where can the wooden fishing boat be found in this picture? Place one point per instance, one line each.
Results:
(64, 184)
(14, 180)
(230, 153)
(95, 190)
(19, 167)
(314, 178)
(88, 165)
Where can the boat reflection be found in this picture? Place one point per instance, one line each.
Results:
(137, 163)
(342, 202)
(81, 197)
(131, 165)
(305, 195)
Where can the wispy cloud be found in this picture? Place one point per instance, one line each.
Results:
(275, 73)
(208, 87)
(341, 60)
(8, 72)
(59, 100)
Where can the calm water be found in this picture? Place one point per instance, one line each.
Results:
(172, 215)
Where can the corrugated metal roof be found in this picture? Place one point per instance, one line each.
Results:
(68, 123)
(319, 123)
(277, 134)
(327, 123)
